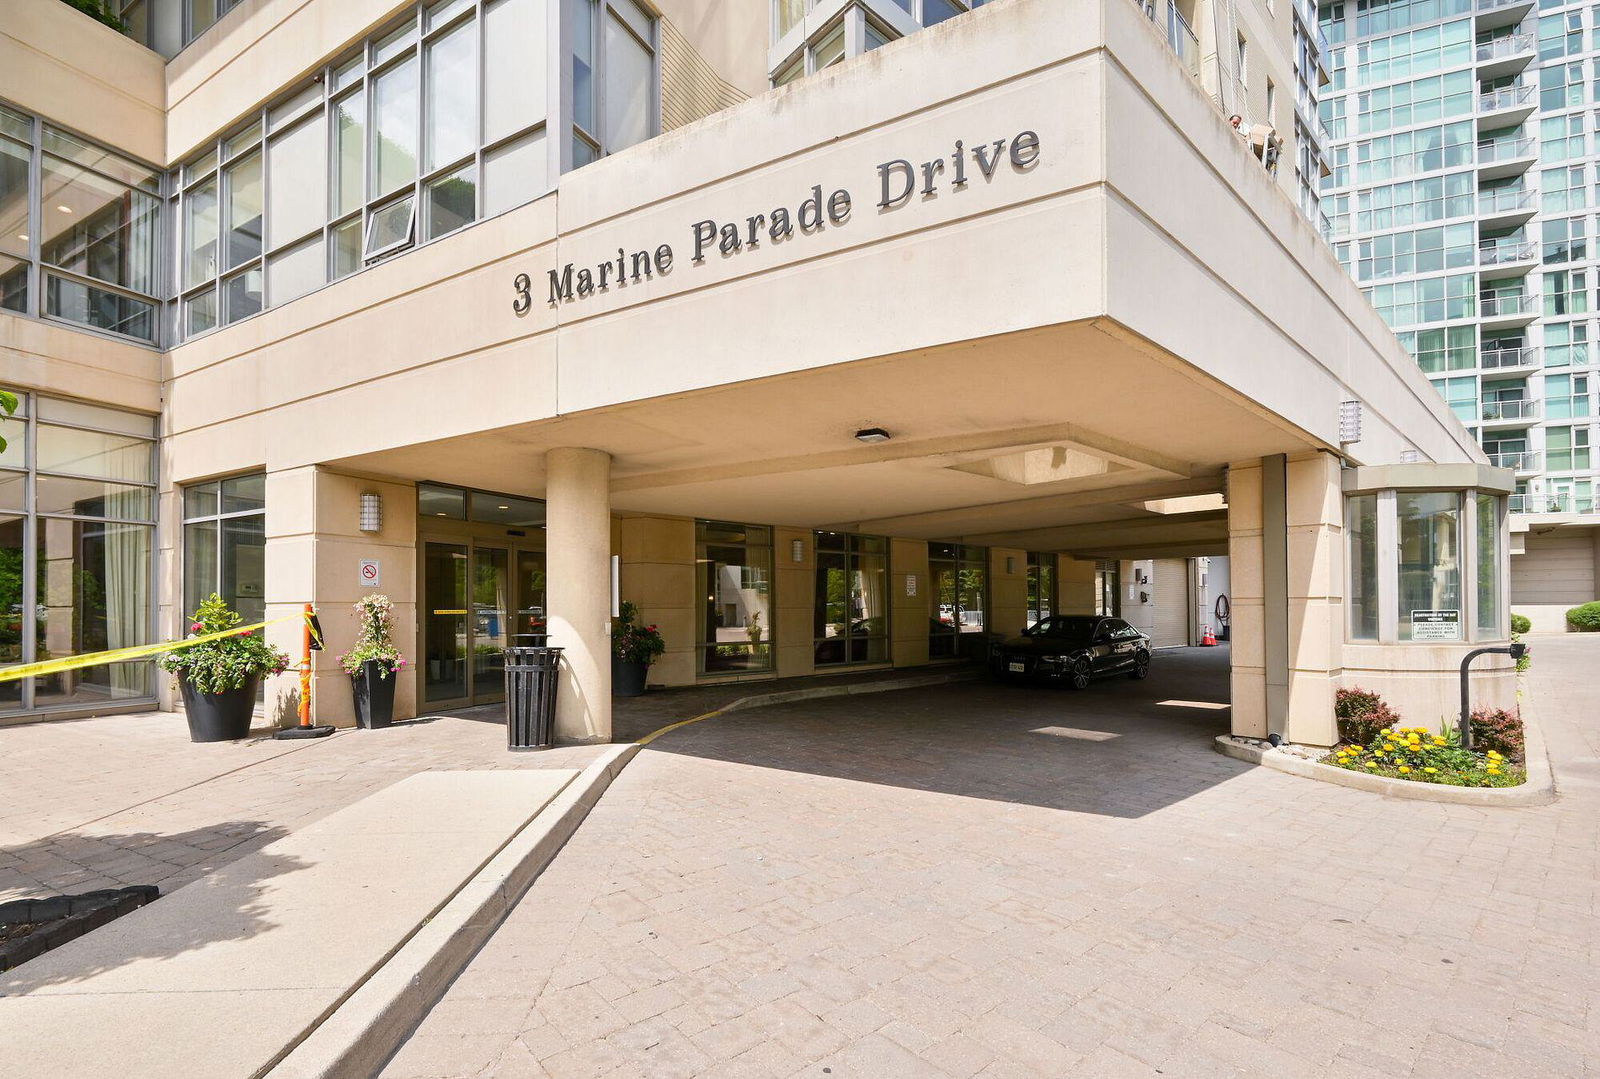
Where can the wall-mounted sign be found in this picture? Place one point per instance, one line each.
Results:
(911, 584)
(898, 181)
(371, 575)
(1436, 625)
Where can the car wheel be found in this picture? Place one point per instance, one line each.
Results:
(1141, 667)
(1081, 674)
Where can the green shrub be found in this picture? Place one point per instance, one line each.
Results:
(1585, 619)
(98, 10)
(217, 666)
(1521, 623)
(1362, 715)
(1419, 755)
(1499, 730)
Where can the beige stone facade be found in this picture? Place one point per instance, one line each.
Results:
(1097, 333)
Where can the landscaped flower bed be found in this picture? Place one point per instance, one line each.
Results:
(1423, 755)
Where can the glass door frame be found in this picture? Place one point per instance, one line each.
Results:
(472, 539)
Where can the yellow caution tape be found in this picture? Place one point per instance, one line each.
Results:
(120, 655)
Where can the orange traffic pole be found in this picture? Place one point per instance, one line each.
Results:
(305, 668)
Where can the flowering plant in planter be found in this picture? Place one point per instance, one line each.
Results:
(227, 663)
(375, 639)
(633, 643)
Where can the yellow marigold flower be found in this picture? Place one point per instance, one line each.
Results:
(1384, 731)
(1437, 740)
(1493, 770)
(1404, 769)
(1494, 756)
(1372, 764)
(1430, 771)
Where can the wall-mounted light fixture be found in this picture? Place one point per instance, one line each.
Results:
(371, 512)
(872, 434)
(1011, 564)
(797, 550)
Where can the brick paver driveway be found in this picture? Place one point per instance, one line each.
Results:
(999, 882)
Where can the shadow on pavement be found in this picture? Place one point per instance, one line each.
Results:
(1120, 748)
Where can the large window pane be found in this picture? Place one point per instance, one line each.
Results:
(514, 173)
(244, 494)
(94, 595)
(200, 312)
(629, 71)
(1489, 583)
(243, 565)
(346, 248)
(735, 615)
(445, 620)
(582, 14)
(200, 234)
(199, 564)
(93, 453)
(350, 133)
(297, 271)
(452, 96)
(451, 202)
(790, 12)
(14, 229)
(100, 308)
(13, 620)
(394, 137)
(93, 498)
(243, 194)
(513, 66)
(297, 171)
(1361, 524)
(13, 284)
(241, 295)
(98, 227)
(1430, 559)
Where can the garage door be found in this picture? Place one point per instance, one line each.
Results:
(1172, 602)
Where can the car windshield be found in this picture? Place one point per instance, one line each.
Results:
(1064, 628)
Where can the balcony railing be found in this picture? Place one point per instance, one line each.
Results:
(1499, 252)
(1494, 151)
(1502, 47)
(1513, 409)
(1520, 460)
(1505, 305)
(1183, 40)
(1560, 502)
(1490, 5)
(1496, 358)
(1511, 97)
(1506, 200)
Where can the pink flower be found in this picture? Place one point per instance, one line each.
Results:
(196, 627)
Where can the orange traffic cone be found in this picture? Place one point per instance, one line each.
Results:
(1208, 638)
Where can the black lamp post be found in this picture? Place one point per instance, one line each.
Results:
(1515, 651)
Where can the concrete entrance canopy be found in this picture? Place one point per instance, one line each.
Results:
(1091, 303)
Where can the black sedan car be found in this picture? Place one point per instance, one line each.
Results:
(1075, 649)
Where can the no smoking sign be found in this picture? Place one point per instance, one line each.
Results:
(370, 575)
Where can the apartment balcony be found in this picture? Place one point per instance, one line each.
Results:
(1510, 360)
(1505, 56)
(1181, 36)
(1493, 14)
(1521, 461)
(1559, 502)
(1507, 107)
(1505, 258)
(1509, 413)
(1507, 310)
(1499, 159)
(1506, 207)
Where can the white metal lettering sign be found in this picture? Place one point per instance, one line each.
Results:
(370, 575)
(1436, 625)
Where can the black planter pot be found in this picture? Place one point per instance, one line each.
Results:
(219, 717)
(374, 696)
(627, 679)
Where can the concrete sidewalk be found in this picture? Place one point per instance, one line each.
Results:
(221, 978)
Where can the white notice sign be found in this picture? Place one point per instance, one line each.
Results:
(1436, 625)
(911, 584)
(370, 576)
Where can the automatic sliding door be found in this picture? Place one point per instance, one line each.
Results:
(491, 583)
(444, 587)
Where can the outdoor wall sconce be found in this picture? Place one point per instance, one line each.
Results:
(1011, 564)
(371, 512)
(797, 550)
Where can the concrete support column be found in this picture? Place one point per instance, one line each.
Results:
(1247, 632)
(1008, 591)
(1314, 565)
(1075, 585)
(911, 599)
(578, 575)
(658, 576)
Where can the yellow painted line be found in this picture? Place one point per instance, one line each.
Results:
(653, 735)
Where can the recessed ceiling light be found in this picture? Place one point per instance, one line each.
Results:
(872, 434)
(64, 209)
(502, 507)
(441, 513)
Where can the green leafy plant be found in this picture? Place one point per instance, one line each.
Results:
(8, 405)
(1585, 619)
(1520, 623)
(98, 10)
(227, 663)
(1422, 756)
(375, 639)
(633, 643)
(1362, 715)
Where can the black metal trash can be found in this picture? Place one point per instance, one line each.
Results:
(531, 678)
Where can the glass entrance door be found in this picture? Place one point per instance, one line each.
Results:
(467, 588)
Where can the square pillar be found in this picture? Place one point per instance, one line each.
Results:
(910, 597)
(1075, 585)
(1314, 520)
(794, 581)
(578, 572)
(1247, 632)
(1008, 591)
(658, 576)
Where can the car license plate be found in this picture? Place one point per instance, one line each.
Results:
(1016, 667)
